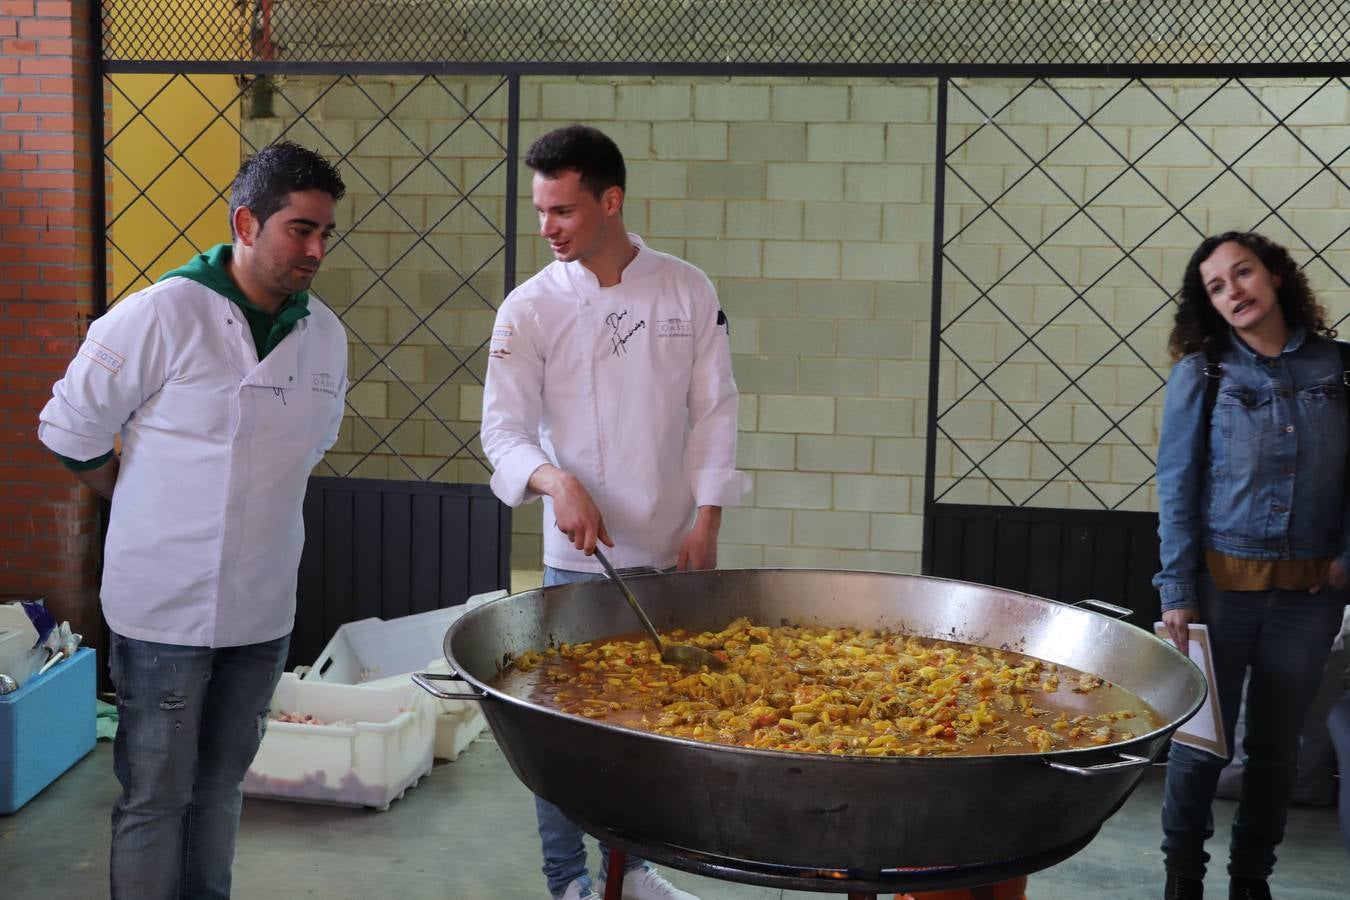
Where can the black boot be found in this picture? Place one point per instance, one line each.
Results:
(1179, 887)
(1248, 889)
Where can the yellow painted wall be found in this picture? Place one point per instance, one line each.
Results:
(173, 146)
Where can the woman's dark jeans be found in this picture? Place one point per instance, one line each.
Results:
(1285, 638)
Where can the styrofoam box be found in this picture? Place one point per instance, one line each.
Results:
(13, 653)
(20, 657)
(46, 726)
(382, 746)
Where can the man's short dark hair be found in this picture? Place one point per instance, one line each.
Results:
(268, 176)
(582, 149)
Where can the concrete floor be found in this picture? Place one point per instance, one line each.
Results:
(466, 832)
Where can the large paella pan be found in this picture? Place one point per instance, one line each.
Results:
(829, 812)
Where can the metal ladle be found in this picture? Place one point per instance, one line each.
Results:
(686, 656)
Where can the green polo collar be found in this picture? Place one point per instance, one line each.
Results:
(211, 270)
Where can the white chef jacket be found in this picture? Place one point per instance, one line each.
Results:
(628, 388)
(204, 541)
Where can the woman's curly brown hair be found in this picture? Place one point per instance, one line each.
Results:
(1198, 325)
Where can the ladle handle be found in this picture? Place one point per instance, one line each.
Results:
(628, 595)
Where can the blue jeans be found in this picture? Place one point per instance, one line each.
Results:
(1338, 723)
(1285, 638)
(190, 720)
(561, 839)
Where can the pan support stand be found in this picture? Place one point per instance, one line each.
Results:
(982, 885)
(614, 879)
(614, 874)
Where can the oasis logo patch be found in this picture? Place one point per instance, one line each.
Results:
(108, 359)
(323, 383)
(501, 337)
(674, 328)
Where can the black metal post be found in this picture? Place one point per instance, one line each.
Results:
(98, 162)
(935, 329)
(512, 177)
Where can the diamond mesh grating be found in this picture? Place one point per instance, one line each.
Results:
(1042, 271)
(415, 270)
(821, 32)
(1093, 332)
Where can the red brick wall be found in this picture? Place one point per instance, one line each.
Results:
(49, 532)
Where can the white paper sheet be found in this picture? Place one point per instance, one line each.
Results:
(1204, 730)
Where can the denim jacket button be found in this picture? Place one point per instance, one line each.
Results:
(1289, 428)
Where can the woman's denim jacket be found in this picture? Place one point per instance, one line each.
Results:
(1271, 485)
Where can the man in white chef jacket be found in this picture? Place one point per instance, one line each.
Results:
(609, 394)
(225, 383)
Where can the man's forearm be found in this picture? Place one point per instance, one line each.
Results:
(103, 479)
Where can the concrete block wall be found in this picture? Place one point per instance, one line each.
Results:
(809, 203)
(418, 271)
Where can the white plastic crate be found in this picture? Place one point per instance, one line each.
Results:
(480, 599)
(458, 722)
(382, 746)
(454, 735)
(383, 653)
(371, 649)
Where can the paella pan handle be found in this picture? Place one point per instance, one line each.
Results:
(1126, 761)
(424, 679)
(630, 571)
(1117, 612)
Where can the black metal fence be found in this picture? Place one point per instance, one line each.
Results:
(1035, 48)
(388, 549)
(1138, 253)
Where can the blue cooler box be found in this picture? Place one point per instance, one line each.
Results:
(46, 727)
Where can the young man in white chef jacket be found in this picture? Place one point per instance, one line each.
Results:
(609, 394)
(225, 382)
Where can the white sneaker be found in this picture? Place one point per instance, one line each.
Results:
(578, 890)
(644, 883)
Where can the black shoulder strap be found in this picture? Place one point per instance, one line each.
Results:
(1344, 350)
(1213, 371)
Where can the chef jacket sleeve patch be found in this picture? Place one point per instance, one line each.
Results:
(103, 356)
(722, 320)
(501, 340)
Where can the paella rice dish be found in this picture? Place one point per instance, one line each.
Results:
(838, 691)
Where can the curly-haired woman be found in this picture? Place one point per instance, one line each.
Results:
(1254, 535)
